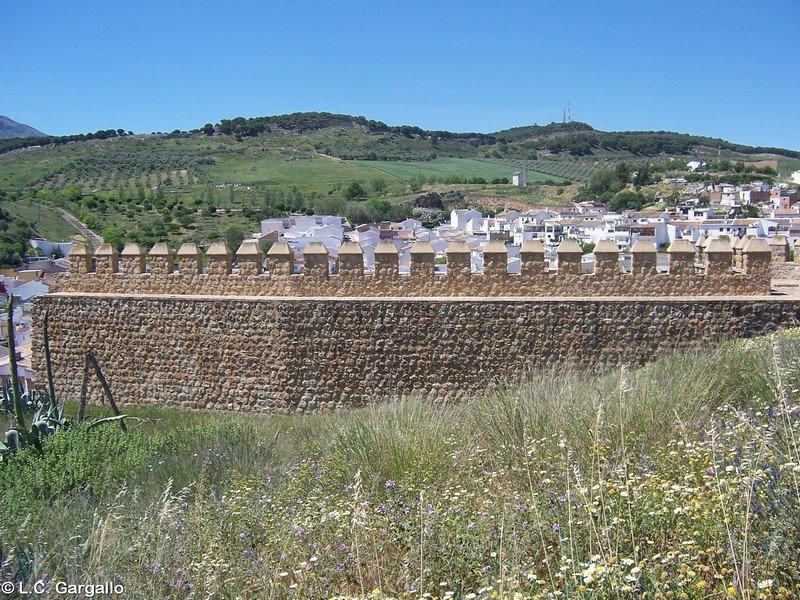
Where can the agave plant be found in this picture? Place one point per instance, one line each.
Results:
(48, 415)
(7, 401)
(47, 420)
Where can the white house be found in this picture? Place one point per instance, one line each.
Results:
(49, 247)
(29, 290)
(460, 218)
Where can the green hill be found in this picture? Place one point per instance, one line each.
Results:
(170, 185)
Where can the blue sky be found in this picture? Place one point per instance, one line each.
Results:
(725, 69)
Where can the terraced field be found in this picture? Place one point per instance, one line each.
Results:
(554, 170)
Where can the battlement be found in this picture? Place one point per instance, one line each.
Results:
(715, 269)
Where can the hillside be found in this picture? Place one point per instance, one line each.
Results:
(12, 129)
(197, 185)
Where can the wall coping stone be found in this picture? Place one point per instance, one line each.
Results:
(386, 247)
(315, 248)
(422, 248)
(106, 249)
(351, 248)
(189, 250)
(248, 249)
(532, 247)
(132, 249)
(569, 247)
(643, 247)
(680, 247)
(219, 250)
(160, 249)
(280, 249)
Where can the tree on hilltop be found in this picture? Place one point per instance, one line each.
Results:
(354, 191)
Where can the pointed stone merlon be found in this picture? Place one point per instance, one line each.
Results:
(681, 257)
(459, 259)
(190, 259)
(248, 258)
(280, 259)
(315, 260)
(606, 258)
(133, 260)
(219, 259)
(719, 257)
(423, 260)
(644, 257)
(495, 259)
(387, 260)
(80, 260)
(780, 249)
(532, 257)
(738, 250)
(351, 260)
(106, 259)
(738, 244)
(569, 255)
(698, 249)
(756, 257)
(161, 262)
(703, 262)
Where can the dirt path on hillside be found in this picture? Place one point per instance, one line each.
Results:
(90, 235)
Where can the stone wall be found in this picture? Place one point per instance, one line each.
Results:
(295, 355)
(216, 331)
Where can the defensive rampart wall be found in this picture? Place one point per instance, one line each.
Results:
(213, 336)
(284, 355)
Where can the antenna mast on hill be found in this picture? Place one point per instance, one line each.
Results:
(568, 113)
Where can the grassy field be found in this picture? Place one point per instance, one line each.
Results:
(555, 170)
(49, 223)
(23, 167)
(321, 172)
(678, 480)
(438, 167)
(312, 172)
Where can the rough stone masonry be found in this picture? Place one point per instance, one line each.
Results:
(237, 338)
